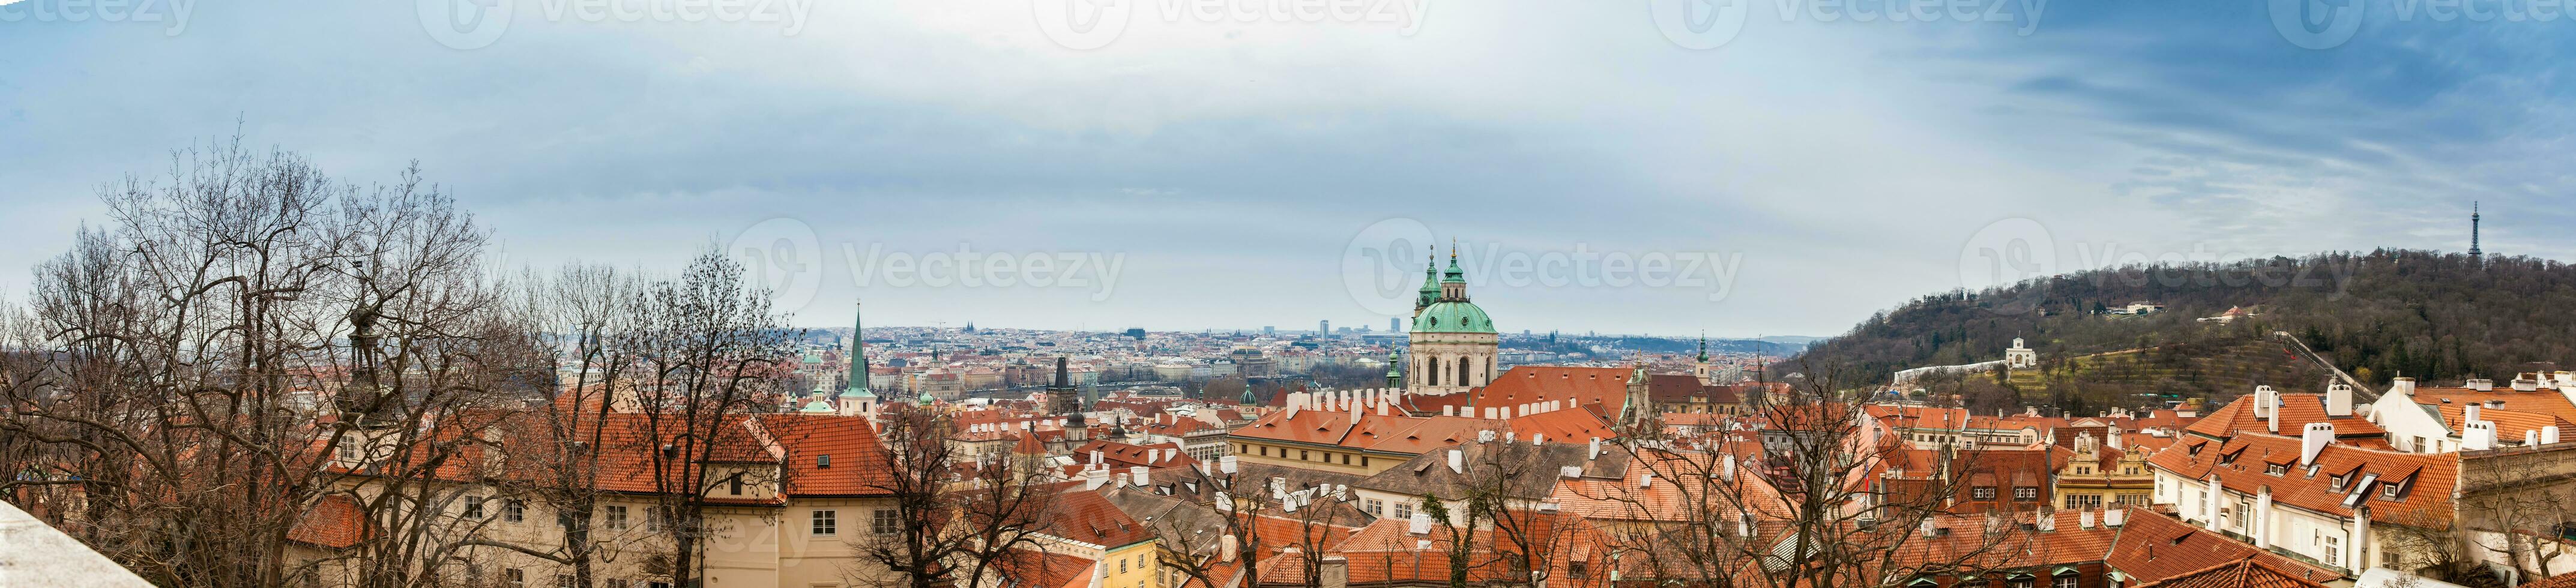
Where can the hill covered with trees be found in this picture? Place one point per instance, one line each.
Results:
(2434, 316)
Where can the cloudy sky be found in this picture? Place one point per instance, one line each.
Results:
(1749, 167)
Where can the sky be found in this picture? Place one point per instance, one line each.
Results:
(1733, 167)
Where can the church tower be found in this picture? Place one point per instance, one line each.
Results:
(1453, 343)
(1639, 407)
(1700, 369)
(857, 399)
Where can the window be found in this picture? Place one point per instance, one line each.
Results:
(514, 577)
(2276, 469)
(1375, 507)
(1577, 570)
(2018, 583)
(563, 581)
(473, 507)
(1404, 510)
(2334, 548)
(1982, 493)
(1122, 565)
(827, 523)
(2337, 483)
(657, 519)
(2388, 491)
(883, 522)
(2065, 581)
(1301, 455)
(2025, 493)
(514, 510)
(616, 515)
(349, 450)
(735, 484)
(2084, 501)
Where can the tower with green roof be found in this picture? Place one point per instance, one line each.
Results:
(1454, 344)
(857, 399)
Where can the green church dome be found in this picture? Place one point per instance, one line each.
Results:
(1452, 316)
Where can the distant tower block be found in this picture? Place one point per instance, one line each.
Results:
(2020, 357)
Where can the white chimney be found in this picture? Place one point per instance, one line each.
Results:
(1225, 464)
(1118, 480)
(2481, 384)
(2113, 517)
(2549, 435)
(2402, 385)
(1596, 449)
(2263, 403)
(1457, 461)
(1570, 471)
(2046, 522)
(1227, 548)
(2084, 521)
(1537, 439)
(2469, 413)
(1927, 527)
(2530, 437)
(1449, 411)
(1727, 471)
(2522, 384)
(1095, 456)
(1648, 479)
(2478, 435)
(2314, 440)
(1420, 525)
(2339, 400)
(1092, 479)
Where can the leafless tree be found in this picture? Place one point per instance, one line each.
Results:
(189, 369)
(1797, 491)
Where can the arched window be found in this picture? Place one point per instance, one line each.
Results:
(1463, 369)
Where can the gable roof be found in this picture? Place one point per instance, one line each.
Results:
(2243, 573)
(2425, 480)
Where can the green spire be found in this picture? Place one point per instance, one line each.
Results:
(1703, 347)
(1430, 280)
(1394, 368)
(1454, 274)
(858, 359)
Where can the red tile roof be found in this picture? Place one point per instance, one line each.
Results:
(2240, 462)
(337, 521)
(2243, 573)
(2297, 410)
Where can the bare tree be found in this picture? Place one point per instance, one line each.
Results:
(191, 368)
(1795, 492)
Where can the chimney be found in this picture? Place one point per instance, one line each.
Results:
(2113, 517)
(2314, 440)
(1336, 571)
(1118, 480)
(2481, 384)
(1596, 449)
(2524, 384)
(1537, 439)
(1570, 471)
(1225, 464)
(2084, 521)
(2046, 521)
(1092, 479)
(1228, 547)
(1727, 470)
(1449, 410)
(2478, 435)
(2469, 413)
(1457, 461)
(1138, 474)
(2402, 385)
(2549, 435)
(2339, 400)
(1420, 525)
